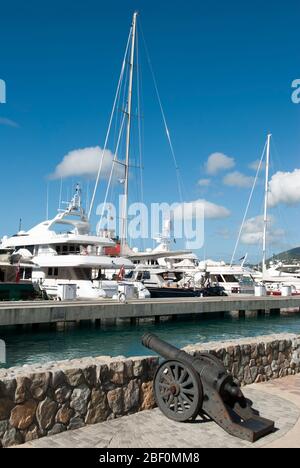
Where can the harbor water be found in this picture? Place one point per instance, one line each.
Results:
(30, 347)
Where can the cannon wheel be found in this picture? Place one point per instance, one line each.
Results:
(178, 391)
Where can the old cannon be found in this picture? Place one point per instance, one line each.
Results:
(187, 386)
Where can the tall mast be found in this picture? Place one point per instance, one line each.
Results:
(128, 135)
(264, 265)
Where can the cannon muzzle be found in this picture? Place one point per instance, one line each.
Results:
(186, 386)
(164, 349)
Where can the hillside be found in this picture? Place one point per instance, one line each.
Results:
(290, 256)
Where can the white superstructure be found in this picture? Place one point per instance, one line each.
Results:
(63, 251)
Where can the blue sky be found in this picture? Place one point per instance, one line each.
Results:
(224, 71)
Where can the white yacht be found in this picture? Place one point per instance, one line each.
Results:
(8, 271)
(64, 252)
(275, 280)
(235, 279)
(14, 269)
(186, 270)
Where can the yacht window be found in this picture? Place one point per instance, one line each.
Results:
(55, 271)
(58, 249)
(246, 280)
(65, 249)
(139, 276)
(230, 279)
(50, 271)
(77, 249)
(179, 276)
(2, 276)
(26, 273)
(219, 279)
(168, 276)
(146, 275)
(129, 275)
(72, 248)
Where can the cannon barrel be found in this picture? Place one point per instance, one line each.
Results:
(164, 349)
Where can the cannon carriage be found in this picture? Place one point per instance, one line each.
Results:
(186, 386)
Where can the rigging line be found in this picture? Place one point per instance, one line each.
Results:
(109, 126)
(164, 119)
(279, 210)
(87, 195)
(112, 167)
(122, 101)
(248, 205)
(116, 118)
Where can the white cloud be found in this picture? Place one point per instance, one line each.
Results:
(218, 162)
(224, 233)
(284, 187)
(204, 182)
(8, 122)
(197, 208)
(237, 179)
(253, 231)
(255, 165)
(85, 162)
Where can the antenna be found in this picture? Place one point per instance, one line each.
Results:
(47, 202)
(60, 193)
(20, 224)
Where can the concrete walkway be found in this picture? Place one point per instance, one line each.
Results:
(38, 312)
(277, 400)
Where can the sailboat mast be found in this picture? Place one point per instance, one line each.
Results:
(128, 134)
(264, 265)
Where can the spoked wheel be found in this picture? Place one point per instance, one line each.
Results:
(178, 391)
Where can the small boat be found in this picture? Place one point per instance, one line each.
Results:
(210, 291)
(14, 283)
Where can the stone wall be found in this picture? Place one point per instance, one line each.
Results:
(41, 400)
(36, 401)
(255, 360)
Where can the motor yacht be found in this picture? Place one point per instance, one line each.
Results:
(63, 251)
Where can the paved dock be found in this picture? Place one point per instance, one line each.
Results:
(38, 312)
(278, 400)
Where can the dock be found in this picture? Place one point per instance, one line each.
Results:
(51, 312)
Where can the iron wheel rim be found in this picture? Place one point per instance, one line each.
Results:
(178, 391)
